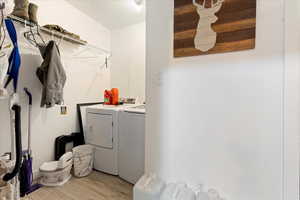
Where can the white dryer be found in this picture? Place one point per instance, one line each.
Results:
(102, 133)
(132, 143)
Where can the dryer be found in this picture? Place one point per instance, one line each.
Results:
(102, 133)
(132, 143)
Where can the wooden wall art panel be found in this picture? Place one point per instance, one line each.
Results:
(213, 26)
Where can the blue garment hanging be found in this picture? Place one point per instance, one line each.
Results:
(14, 58)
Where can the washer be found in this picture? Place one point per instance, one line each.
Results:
(132, 143)
(102, 133)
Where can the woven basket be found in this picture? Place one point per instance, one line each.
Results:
(83, 158)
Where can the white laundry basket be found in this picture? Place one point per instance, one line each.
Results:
(6, 192)
(83, 160)
(6, 189)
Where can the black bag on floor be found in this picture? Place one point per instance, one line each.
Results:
(62, 141)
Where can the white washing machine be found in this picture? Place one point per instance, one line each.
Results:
(102, 133)
(132, 143)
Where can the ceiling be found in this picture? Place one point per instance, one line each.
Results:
(113, 14)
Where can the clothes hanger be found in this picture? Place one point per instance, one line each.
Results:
(30, 43)
(40, 35)
(95, 52)
(31, 36)
(61, 39)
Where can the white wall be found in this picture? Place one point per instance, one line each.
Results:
(292, 100)
(219, 119)
(85, 81)
(128, 60)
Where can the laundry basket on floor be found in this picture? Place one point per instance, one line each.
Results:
(83, 160)
(6, 192)
(6, 189)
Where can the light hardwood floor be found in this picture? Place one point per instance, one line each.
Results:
(97, 186)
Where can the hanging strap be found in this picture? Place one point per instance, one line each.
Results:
(14, 58)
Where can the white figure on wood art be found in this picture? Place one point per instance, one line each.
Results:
(206, 37)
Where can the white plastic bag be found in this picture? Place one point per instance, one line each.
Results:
(186, 194)
(210, 194)
(149, 187)
(83, 160)
(178, 191)
(202, 196)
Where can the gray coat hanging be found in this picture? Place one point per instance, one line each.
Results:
(52, 75)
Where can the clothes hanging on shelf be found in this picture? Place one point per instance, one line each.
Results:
(54, 27)
(56, 31)
(14, 58)
(52, 75)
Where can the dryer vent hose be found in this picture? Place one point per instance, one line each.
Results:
(18, 137)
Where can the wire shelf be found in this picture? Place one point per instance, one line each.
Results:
(47, 31)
